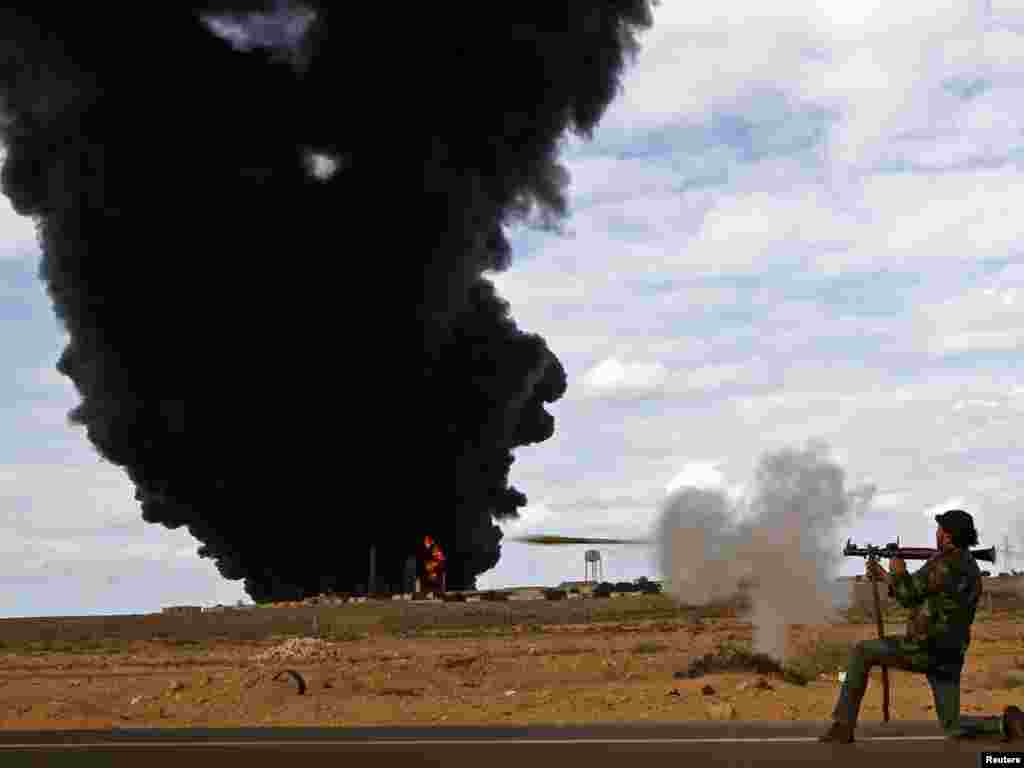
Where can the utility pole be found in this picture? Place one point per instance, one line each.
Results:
(1008, 552)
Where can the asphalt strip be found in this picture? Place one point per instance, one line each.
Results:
(511, 741)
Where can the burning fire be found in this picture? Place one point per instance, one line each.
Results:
(433, 563)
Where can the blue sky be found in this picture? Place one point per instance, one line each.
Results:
(798, 221)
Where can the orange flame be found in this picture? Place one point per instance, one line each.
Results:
(433, 562)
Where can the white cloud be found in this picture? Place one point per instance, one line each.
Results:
(697, 474)
(705, 475)
(862, 60)
(42, 499)
(890, 500)
(17, 233)
(741, 233)
(971, 210)
(611, 378)
(710, 377)
(957, 502)
(530, 517)
(981, 341)
(715, 51)
(1002, 49)
(983, 317)
(73, 536)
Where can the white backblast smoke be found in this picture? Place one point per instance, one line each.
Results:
(785, 542)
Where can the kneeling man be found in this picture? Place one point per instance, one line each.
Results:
(942, 597)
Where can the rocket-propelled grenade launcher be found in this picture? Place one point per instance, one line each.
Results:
(894, 549)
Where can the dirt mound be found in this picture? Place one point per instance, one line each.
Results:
(300, 649)
(737, 659)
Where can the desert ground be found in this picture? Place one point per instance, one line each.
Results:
(551, 662)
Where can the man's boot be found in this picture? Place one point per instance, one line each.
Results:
(842, 733)
(1013, 723)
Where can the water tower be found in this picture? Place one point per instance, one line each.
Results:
(592, 566)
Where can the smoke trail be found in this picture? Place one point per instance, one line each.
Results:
(783, 539)
(350, 378)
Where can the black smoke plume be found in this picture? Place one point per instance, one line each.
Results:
(297, 365)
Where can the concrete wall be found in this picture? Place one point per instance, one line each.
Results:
(183, 610)
(861, 595)
(1005, 585)
(860, 590)
(527, 593)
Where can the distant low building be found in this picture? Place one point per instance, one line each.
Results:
(183, 610)
(525, 593)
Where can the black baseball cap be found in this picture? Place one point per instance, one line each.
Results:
(955, 520)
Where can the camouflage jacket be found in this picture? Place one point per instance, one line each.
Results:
(942, 597)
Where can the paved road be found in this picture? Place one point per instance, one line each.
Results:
(599, 746)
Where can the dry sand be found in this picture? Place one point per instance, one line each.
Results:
(565, 674)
